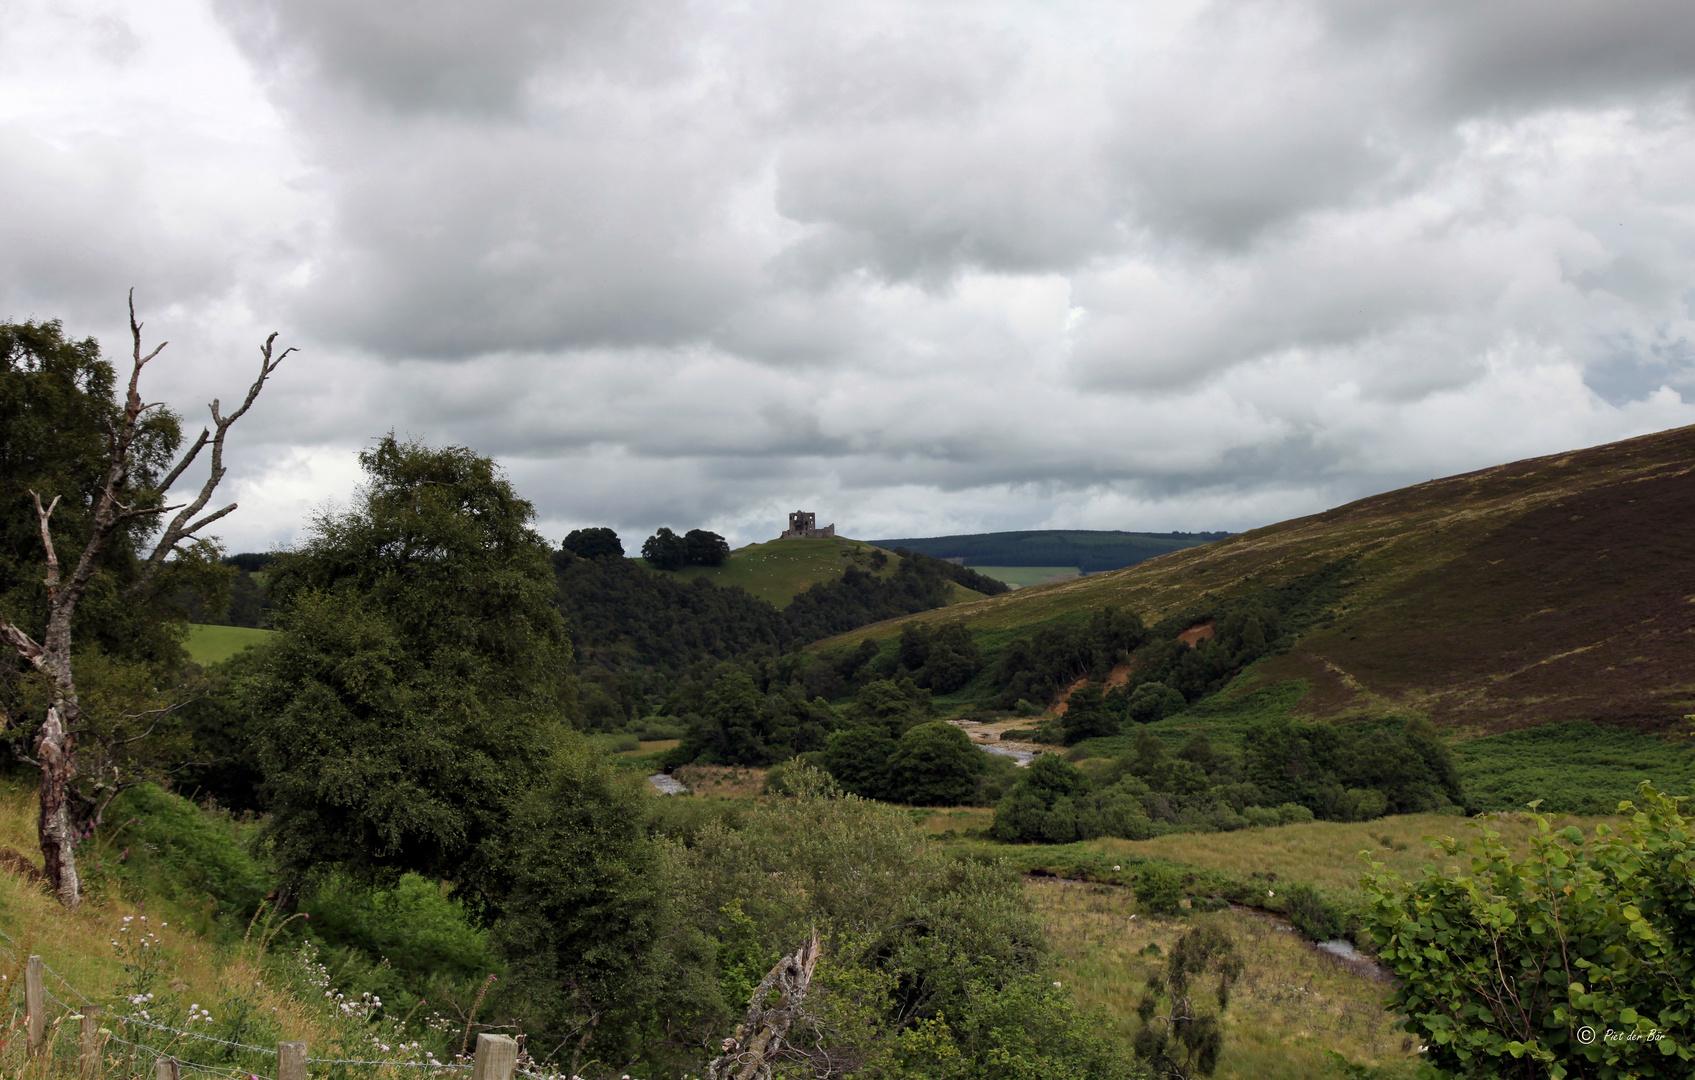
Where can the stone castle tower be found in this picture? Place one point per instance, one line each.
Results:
(803, 525)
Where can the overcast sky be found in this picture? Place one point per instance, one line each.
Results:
(920, 267)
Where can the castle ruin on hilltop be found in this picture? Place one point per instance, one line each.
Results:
(803, 525)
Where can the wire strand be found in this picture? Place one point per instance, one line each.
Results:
(402, 1064)
(211, 1070)
(191, 1034)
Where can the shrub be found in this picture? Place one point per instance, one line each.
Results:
(859, 759)
(1362, 804)
(935, 764)
(1260, 816)
(1594, 938)
(656, 729)
(1159, 889)
(1314, 916)
(1293, 814)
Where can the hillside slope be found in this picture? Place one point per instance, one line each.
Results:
(1557, 588)
(1090, 550)
(779, 570)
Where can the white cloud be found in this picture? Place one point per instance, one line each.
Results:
(924, 268)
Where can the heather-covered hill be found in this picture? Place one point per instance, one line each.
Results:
(1556, 588)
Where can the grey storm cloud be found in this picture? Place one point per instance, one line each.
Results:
(922, 267)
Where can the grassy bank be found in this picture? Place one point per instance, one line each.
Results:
(1291, 1005)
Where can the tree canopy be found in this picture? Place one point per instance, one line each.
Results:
(420, 673)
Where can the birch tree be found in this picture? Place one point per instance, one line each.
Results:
(55, 749)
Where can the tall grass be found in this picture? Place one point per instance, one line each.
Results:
(1577, 767)
(1292, 1004)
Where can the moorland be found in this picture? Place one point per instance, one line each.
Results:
(1197, 815)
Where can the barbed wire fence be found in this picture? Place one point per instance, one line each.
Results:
(495, 1058)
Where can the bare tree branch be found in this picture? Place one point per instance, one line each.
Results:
(56, 740)
(183, 525)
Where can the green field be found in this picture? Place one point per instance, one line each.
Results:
(210, 644)
(778, 570)
(1020, 577)
(1576, 767)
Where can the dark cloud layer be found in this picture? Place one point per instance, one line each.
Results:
(923, 267)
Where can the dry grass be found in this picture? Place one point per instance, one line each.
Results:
(722, 781)
(650, 746)
(1325, 854)
(1292, 1004)
(958, 819)
(78, 948)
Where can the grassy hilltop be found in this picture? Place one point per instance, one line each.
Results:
(1553, 589)
(779, 570)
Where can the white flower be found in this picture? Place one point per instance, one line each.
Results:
(1056, 986)
(1268, 892)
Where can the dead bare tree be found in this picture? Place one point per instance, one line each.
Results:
(759, 1042)
(56, 741)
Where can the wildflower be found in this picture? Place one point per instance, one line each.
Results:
(1269, 892)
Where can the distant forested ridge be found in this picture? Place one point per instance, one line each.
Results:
(1091, 551)
(622, 614)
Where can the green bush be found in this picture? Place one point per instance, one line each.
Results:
(1293, 814)
(170, 847)
(416, 925)
(1159, 889)
(1315, 917)
(935, 764)
(1577, 960)
(657, 729)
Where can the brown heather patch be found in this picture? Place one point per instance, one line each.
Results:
(1555, 588)
(1291, 1004)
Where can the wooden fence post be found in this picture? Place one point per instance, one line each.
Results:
(497, 1056)
(291, 1061)
(35, 1004)
(167, 1068)
(90, 1041)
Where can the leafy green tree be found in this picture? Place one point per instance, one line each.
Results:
(1576, 960)
(1153, 701)
(1087, 716)
(935, 764)
(594, 543)
(931, 965)
(1289, 760)
(665, 550)
(419, 675)
(730, 731)
(702, 548)
(858, 758)
(575, 891)
(897, 704)
(1053, 803)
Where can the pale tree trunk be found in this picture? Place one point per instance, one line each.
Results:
(55, 749)
(760, 1040)
(55, 742)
